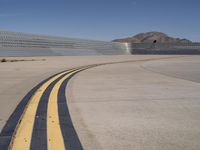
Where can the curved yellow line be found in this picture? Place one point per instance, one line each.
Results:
(54, 133)
(23, 132)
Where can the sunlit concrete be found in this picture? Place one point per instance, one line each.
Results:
(17, 78)
(149, 105)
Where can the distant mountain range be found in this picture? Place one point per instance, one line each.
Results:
(152, 37)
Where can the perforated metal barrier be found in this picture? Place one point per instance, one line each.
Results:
(23, 44)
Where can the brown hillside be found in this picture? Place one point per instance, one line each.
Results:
(151, 37)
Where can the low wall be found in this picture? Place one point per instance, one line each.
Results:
(165, 48)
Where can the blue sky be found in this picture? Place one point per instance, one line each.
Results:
(102, 19)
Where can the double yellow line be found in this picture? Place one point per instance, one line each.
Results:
(21, 139)
(23, 133)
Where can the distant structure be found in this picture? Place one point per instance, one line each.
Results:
(24, 44)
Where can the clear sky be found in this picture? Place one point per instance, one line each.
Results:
(102, 19)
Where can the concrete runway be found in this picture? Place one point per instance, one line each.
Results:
(153, 103)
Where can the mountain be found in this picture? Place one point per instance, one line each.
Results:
(152, 37)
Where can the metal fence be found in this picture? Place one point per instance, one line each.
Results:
(15, 43)
(165, 48)
(24, 44)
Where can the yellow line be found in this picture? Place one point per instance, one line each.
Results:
(54, 133)
(23, 133)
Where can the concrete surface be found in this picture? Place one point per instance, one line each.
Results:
(138, 106)
(141, 105)
(17, 78)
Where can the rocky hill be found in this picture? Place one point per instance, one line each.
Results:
(152, 37)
